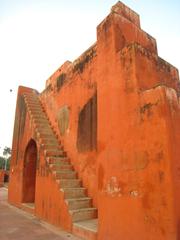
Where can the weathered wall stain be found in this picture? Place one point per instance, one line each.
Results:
(113, 188)
(80, 64)
(63, 119)
(60, 81)
(147, 108)
(19, 122)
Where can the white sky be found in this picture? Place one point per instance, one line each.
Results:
(37, 36)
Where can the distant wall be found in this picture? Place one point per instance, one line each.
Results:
(4, 177)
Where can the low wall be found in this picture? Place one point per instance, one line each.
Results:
(4, 177)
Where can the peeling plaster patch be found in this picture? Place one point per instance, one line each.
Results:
(147, 108)
(113, 189)
(159, 156)
(171, 94)
(141, 160)
(161, 176)
(173, 100)
(68, 131)
(134, 193)
(63, 119)
(149, 219)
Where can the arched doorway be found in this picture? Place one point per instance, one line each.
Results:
(29, 172)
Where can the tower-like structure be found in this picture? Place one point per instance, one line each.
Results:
(101, 143)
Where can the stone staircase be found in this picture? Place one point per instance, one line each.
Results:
(83, 214)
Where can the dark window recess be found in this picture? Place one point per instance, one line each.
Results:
(87, 126)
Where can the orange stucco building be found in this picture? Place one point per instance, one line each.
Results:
(97, 152)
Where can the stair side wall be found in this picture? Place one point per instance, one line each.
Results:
(49, 201)
(23, 132)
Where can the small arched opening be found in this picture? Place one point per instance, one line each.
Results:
(29, 172)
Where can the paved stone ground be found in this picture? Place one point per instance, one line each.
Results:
(16, 224)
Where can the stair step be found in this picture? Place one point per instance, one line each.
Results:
(70, 183)
(66, 175)
(39, 116)
(83, 214)
(44, 127)
(79, 203)
(56, 167)
(74, 192)
(45, 135)
(86, 230)
(34, 108)
(52, 146)
(37, 112)
(45, 132)
(50, 141)
(46, 141)
(54, 153)
(32, 99)
(31, 94)
(58, 160)
(40, 121)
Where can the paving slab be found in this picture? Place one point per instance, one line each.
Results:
(16, 224)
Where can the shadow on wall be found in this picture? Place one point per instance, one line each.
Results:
(6, 177)
(29, 172)
(87, 126)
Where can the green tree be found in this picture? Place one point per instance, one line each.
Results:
(5, 160)
(7, 151)
(8, 164)
(2, 162)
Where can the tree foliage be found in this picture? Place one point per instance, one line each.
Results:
(5, 159)
(6, 151)
(2, 162)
